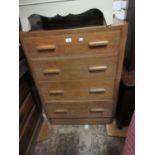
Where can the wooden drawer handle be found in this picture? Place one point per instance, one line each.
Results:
(97, 110)
(97, 90)
(51, 71)
(56, 92)
(98, 43)
(97, 68)
(61, 111)
(46, 47)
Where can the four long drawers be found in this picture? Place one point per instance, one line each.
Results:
(76, 71)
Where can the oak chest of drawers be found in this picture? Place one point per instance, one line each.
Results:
(77, 71)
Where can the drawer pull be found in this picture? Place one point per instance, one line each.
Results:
(51, 71)
(97, 110)
(98, 43)
(56, 92)
(46, 47)
(97, 68)
(97, 90)
(61, 111)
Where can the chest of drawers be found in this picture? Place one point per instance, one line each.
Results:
(77, 71)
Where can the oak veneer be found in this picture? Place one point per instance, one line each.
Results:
(75, 47)
(84, 67)
(87, 109)
(71, 74)
(77, 89)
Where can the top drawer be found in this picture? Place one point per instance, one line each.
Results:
(99, 42)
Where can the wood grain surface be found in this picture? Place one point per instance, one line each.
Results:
(75, 68)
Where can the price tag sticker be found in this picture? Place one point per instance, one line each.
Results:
(80, 39)
(68, 40)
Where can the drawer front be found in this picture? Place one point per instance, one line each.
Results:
(87, 109)
(78, 90)
(80, 67)
(73, 44)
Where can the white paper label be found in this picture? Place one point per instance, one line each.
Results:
(68, 40)
(80, 39)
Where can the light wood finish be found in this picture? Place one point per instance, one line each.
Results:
(78, 90)
(51, 71)
(87, 109)
(98, 68)
(114, 131)
(56, 92)
(61, 111)
(85, 75)
(97, 110)
(97, 90)
(42, 48)
(85, 67)
(98, 43)
(75, 47)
